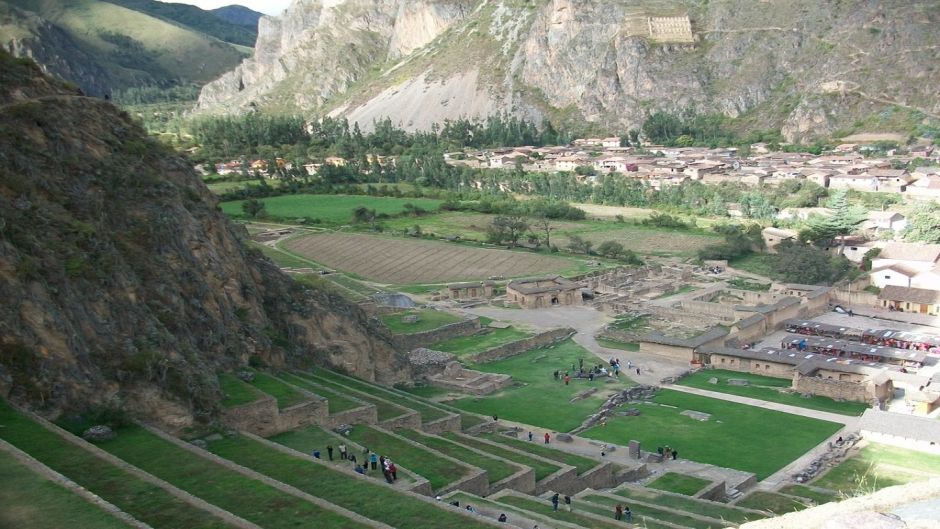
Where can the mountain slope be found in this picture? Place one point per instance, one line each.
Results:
(807, 68)
(239, 15)
(109, 46)
(194, 18)
(132, 287)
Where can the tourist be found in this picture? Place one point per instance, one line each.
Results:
(591, 377)
(568, 503)
(360, 470)
(638, 371)
(675, 454)
(618, 512)
(567, 379)
(555, 502)
(316, 454)
(393, 470)
(495, 418)
(502, 518)
(374, 460)
(530, 437)
(352, 458)
(342, 451)
(455, 503)
(547, 437)
(628, 514)
(556, 374)
(386, 471)
(581, 363)
(471, 509)
(329, 451)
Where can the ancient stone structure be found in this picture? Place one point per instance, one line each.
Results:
(670, 29)
(477, 290)
(543, 292)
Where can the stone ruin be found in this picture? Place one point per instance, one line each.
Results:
(833, 456)
(442, 370)
(633, 394)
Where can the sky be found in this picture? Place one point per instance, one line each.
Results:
(268, 7)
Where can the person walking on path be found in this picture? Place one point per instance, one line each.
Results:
(628, 514)
(342, 451)
(374, 460)
(329, 451)
(530, 437)
(547, 438)
(568, 503)
(555, 502)
(618, 512)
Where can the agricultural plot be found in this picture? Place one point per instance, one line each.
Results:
(402, 261)
(329, 209)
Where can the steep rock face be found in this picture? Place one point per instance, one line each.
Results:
(131, 287)
(773, 64)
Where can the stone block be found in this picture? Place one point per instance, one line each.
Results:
(634, 449)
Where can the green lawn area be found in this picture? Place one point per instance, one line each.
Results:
(537, 398)
(284, 258)
(583, 464)
(755, 263)
(385, 410)
(337, 401)
(877, 466)
(429, 412)
(286, 395)
(711, 509)
(437, 470)
(373, 500)
(468, 345)
(332, 210)
(148, 503)
(617, 344)
(644, 512)
(679, 483)
(238, 494)
(819, 496)
(425, 392)
(735, 436)
(765, 388)
(31, 501)
(496, 469)
(427, 320)
(236, 392)
(542, 469)
(771, 502)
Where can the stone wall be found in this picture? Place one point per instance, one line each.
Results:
(599, 477)
(750, 333)
(564, 480)
(747, 365)
(362, 415)
(714, 492)
(476, 483)
(835, 389)
(303, 414)
(408, 421)
(716, 310)
(848, 297)
(513, 348)
(671, 351)
(522, 481)
(423, 339)
(258, 417)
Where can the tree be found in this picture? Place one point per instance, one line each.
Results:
(544, 225)
(798, 262)
(362, 214)
(253, 207)
(579, 244)
(611, 249)
(923, 224)
(844, 220)
(506, 229)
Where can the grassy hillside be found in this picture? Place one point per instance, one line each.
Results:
(195, 18)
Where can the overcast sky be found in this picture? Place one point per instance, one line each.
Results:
(268, 7)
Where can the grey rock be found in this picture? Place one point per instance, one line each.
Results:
(713, 380)
(565, 438)
(99, 433)
(200, 443)
(246, 376)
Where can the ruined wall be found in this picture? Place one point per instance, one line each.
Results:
(746, 365)
(363, 415)
(450, 423)
(752, 332)
(263, 417)
(725, 313)
(679, 353)
(408, 421)
(835, 389)
(520, 346)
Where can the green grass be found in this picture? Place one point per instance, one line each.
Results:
(496, 469)
(238, 494)
(286, 395)
(468, 345)
(373, 500)
(671, 501)
(817, 495)
(617, 344)
(583, 464)
(766, 388)
(337, 401)
(236, 392)
(544, 507)
(332, 210)
(429, 412)
(475, 501)
(427, 320)
(384, 409)
(647, 514)
(537, 398)
(542, 469)
(736, 436)
(31, 501)
(772, 502)
(469, 420)
(148, 503)
(425, 392)
(679, 483)
(756, 263)
(438, 471)
(629, 323)
(746, 284)
(877, 466)
(285, 259)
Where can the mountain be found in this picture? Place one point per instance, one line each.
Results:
(810, 69)
(131, 287)
(194, 18)
(101, 46)
(239, 15)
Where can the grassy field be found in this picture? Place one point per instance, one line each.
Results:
(679, 483)
(429, 412)
(581, 463)
(236, 392)
(735, 436)
(537, 398)
(817, 495)
(768, 388)
(542, 469)
(496, 469)
(148, 503)
(31, 501)
(428, 319)
(240, 495)
(286, 395)
(544, 507)
(331, 210)
(877, 466)
(437, 470)
(705, 508)
(617, 344)
(771, 502)
(469, 345)
(373, 500)
(401, 261)
(755, 263)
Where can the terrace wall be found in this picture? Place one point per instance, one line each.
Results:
(672, 351)
(716, 310)
(262, 417)
(714, 492)
(522, 481)
(835, 389)
(363, 415)
(303, 414)
(408, 421)
(447, 424)
(423, 339)
(564, 481)
(599, 477)
(513, 348)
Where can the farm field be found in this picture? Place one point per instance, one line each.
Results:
(734, 436)
(330, 209)
(402, 261)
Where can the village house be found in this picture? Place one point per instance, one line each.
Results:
(610, 143)
(543, 292)
(918, 300)
(774, 236)
(927, 187)
(879, 221)
(891, 180)
(917, 256)
(470, 291)
(857, 182)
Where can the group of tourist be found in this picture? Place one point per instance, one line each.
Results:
(370, 459)
(469, 508)
(667, 452)
(597, 370)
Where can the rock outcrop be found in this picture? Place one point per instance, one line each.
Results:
(772, 64)
(125, 284)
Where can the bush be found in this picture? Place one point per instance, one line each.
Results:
(665, 220)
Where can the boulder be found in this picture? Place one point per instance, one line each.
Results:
(713, 380)
(99, 433)
(246, 376)
(738, 382)
(565, 438)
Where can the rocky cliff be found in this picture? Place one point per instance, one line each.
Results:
(806, 67)
(124, 283)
